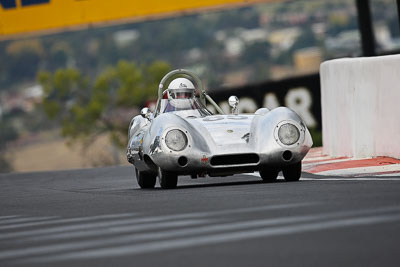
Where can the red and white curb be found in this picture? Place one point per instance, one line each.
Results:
(317, 163)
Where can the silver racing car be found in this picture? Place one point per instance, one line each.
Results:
(183, 137)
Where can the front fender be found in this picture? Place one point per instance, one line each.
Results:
(265, 128)
(154, 146)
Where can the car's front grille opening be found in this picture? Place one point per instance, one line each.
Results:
(234, 159)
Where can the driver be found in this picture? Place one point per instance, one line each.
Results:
(181, 88)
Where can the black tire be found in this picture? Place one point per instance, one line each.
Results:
(167, 179)
(145, 179)
(292, 172)
(269, 175)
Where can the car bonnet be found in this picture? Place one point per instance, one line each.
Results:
(225, 129)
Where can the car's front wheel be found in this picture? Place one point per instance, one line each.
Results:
(292, 172)
(145, 179)
(167, 179)
(269, 174)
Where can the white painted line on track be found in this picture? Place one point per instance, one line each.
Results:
(388, 177)
(351, 179)
(397, 174)
(362, 170)
(12, 222)
(112, 240)
(90, 226)
(217, 238)
(68, 220)
(119, 230)
(205, 229)
(9, 216)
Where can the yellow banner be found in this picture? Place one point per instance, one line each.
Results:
(25, 16)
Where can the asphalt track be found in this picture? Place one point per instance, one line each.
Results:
(99, 217)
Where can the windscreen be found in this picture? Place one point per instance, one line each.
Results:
(183, 107)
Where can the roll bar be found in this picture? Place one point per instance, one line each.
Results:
(203, 95)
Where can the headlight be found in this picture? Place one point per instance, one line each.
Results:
(176, 140)
(288, 134)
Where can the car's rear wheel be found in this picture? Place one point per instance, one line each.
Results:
(167, 179)
(145, 179)
(292, 172)
(269, 174)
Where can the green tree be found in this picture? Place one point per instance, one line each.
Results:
(256, 51)
(23, 59)
(306, 39)
(87, 109)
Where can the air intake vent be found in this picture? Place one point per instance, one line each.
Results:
(234, 159)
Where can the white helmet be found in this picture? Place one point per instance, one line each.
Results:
(181, 88)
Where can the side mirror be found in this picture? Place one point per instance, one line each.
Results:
(234, 102)
(146, 113)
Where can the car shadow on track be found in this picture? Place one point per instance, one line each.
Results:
(208, 184)
(257, 180)
(238, 183)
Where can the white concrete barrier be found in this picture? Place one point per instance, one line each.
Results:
(360, 99)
